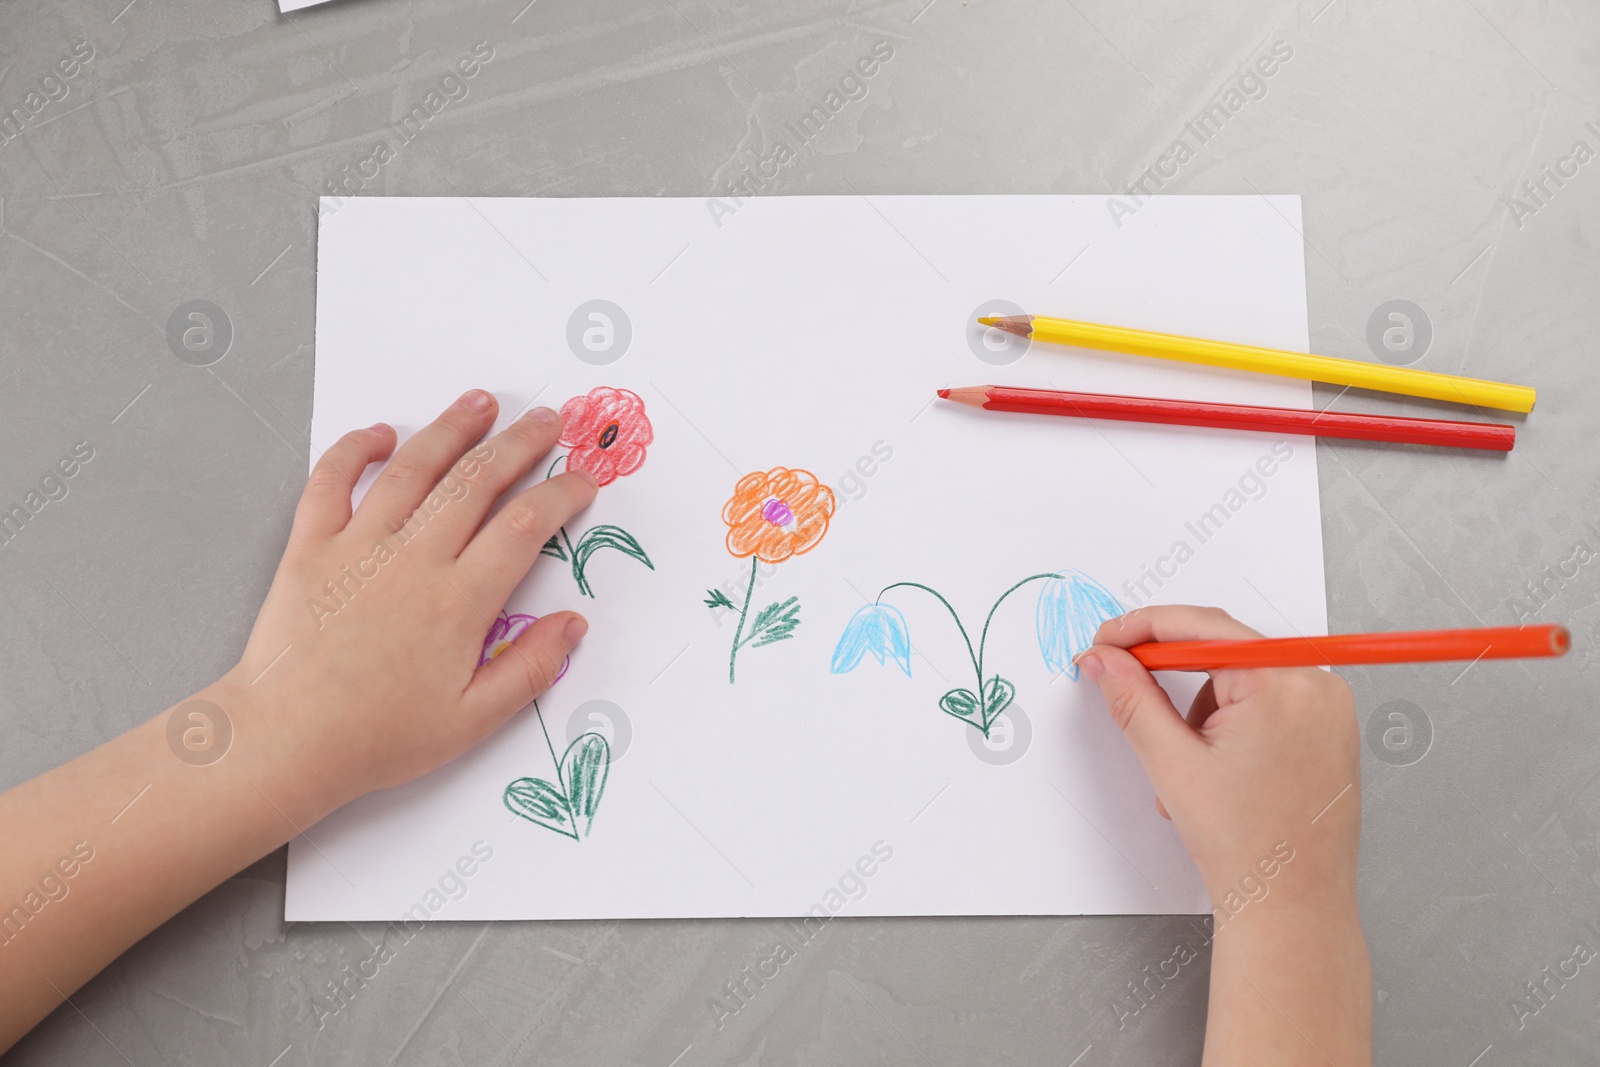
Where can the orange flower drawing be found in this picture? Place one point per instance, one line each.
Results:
(772, 516)
(777, 514)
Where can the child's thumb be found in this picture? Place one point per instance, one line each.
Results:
(1142, 709)
(521, 672)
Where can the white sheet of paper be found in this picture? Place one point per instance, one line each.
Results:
(811, 332)
(286, 6)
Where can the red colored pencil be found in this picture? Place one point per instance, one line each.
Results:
(1418, 646)
(1494, 436)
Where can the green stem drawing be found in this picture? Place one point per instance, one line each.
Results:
(775, 622)
(547, 744)
(577, 555)
(976, 663)
(984, 637)
(577, 570)
(733, 656)
(981, 706)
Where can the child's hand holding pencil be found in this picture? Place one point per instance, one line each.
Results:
(1262, 780)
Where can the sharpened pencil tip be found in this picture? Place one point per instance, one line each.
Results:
(1021, 325)
(973, 396)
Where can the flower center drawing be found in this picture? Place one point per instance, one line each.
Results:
(608, 436)
(777, 512)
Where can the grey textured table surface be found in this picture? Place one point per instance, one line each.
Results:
(182, 162)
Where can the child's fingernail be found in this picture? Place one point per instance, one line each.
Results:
(1090, 664)
(544, 415)
(476, 399)
(577, 626)
(380, 427)
(587, 476)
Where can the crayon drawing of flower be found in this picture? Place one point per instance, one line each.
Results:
(1069, 611)
(778, 514)
(607, 433)
(569, 806)
(772, 516)
(876, 628)
(1070, 608)
(504, 632)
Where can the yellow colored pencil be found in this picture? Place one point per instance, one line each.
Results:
(1328, 369)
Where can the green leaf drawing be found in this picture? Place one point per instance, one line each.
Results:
(598, 537)
(540, 802)
(775, 622)
(718, 599)
(593, 540)
(553, 547)
(585, 768)
(997, 694)
(569, 806)
(963, 704)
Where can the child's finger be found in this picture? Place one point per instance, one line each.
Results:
(324, 506)
(498, 558)
(531, 665)
(1160, 738)
(424, 459)
(511, 454)
(1172, 622)
(1203, 705)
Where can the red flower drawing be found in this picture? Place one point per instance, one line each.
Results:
(607, 431)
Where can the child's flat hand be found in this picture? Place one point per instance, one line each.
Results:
(1262, 754)
(379, 617)
(361, 672)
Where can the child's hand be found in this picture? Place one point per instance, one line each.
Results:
(1262, 755)
(1268, 762)
(362, 672)
(379, 617)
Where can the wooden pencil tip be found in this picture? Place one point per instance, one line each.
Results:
(1021, 325)
(973, 395)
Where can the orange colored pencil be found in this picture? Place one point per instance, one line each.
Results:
(1417, 646)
